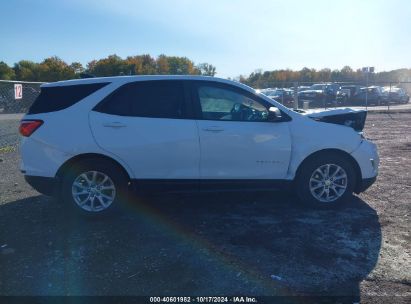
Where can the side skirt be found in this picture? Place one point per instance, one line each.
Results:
(208, 185)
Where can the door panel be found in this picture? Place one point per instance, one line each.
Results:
(154, 148)
(244, 150)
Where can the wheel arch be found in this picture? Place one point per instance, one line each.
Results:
(90, 156)
(340, 153)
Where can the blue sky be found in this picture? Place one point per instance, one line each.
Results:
(237, 36)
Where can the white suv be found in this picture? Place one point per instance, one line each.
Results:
(93, 140)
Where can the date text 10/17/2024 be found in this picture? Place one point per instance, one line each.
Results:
(239, 299)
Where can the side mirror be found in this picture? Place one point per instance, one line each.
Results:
(274, 114)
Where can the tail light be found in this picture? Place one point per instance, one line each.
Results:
(27, 127)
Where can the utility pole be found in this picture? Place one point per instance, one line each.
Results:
(367, 71)
(295, 95)
(366, 91)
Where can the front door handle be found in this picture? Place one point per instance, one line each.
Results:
(213, 129)
(114, 124)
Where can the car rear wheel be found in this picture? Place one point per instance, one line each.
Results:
(326, 181)
(94, 187)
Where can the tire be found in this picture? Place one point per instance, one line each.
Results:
(94, 187)
(310, 178)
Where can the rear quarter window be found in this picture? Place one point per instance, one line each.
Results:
(53, 99)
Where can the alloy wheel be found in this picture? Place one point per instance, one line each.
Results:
(93, 191)
(328, 183)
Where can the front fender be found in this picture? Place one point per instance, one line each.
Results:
(309, 136)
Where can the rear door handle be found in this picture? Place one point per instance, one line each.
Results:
(114, 124)
(213, 129)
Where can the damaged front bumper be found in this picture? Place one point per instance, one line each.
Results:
(367, 158)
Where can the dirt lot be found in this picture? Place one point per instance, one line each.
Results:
(215, 244)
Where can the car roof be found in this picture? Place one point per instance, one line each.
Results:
(125, 79)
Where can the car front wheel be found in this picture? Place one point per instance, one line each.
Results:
(326, 181)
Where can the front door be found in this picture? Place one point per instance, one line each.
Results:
(236, 139)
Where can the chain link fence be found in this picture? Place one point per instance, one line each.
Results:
(324, 95)
(17, 97)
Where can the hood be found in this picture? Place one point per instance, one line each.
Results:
(347, 117)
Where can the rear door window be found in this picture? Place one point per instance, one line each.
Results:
(61, 97)
(157, 99)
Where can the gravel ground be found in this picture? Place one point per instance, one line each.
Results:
(214, 244)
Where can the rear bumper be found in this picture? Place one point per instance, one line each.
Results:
(365, 184)
(44, 185)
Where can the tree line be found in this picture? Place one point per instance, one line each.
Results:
(55, 69)
(285, 78)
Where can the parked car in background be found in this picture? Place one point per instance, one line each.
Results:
(319, 95)
(303, 88)
(266, 90)
(373, 95)
(283, 96)
(396, 95)
(94, 141)
(299, 88)
(346, 94)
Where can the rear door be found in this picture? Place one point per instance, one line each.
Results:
(236, 140)
(147, 124)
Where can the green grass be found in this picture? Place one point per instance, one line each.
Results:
(7, 149)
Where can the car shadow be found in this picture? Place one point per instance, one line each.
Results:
(250, 243)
